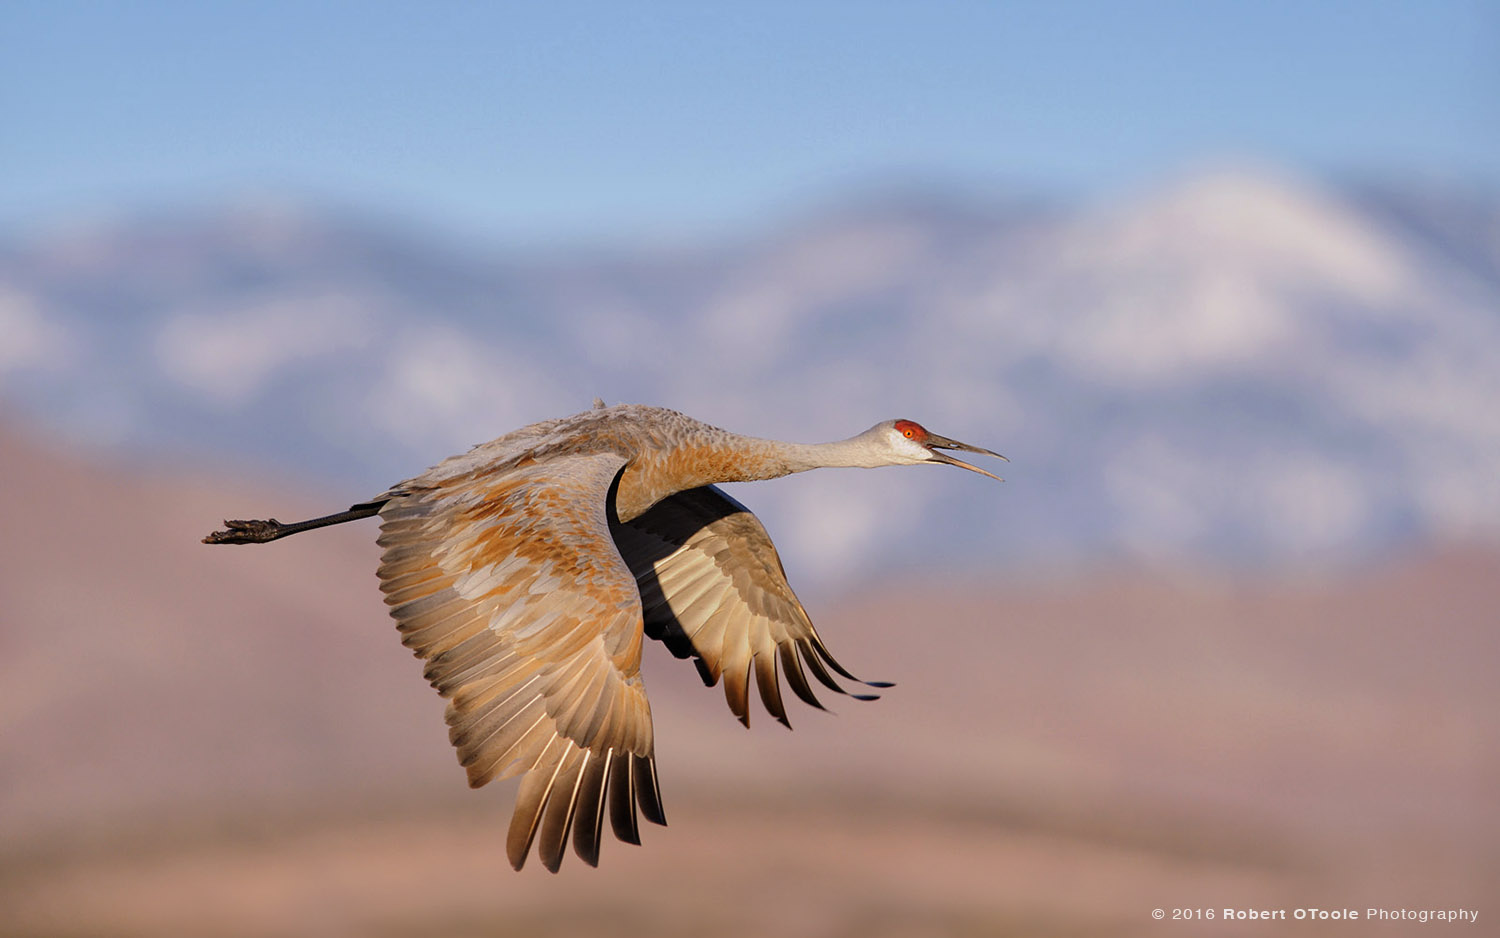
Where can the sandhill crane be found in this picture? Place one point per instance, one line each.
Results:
(526, 571)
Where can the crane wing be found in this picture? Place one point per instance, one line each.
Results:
(712, 587)
(511, 588)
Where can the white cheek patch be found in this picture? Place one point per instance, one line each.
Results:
(910, 449)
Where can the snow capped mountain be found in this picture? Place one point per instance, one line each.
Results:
(1235, 366)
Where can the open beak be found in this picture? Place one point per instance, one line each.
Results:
(935, 443)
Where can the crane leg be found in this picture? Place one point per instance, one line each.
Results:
(261, 531)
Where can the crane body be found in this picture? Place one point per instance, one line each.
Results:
(527, 572)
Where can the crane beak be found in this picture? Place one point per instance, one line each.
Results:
(935, 443)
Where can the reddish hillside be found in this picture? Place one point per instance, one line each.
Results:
(1241, 739)
(145, 673)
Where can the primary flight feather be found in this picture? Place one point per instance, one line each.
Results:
(527, 571)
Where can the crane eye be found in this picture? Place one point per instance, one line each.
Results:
(910, 430)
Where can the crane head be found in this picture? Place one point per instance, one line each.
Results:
(916, 444)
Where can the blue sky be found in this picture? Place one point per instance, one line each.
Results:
(582, 118)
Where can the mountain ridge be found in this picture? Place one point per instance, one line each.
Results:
(1237, 366)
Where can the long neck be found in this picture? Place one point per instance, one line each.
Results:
(854, 452)
(725, 457)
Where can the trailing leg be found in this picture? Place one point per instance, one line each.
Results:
(260, 531)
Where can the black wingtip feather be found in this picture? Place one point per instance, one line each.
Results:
(647, 792)
(622, 800)
(588, 825)
(562, 805)
(828, 659)
(769, 683)
(810, 658)
(792, 668)
(709, 678)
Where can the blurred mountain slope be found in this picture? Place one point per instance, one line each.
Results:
(1234, 366)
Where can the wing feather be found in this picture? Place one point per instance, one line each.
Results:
(510, 586)
(622, 800)
(647, 792)
(713, 589)
(769, 686)
(557, 821)
(531, 801)
(589, 823)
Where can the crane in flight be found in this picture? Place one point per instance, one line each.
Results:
(526, 572)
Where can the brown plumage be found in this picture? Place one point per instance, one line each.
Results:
(527, 571)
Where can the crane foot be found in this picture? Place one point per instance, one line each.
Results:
(246, 532)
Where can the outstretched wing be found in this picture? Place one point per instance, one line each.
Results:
(712, 587)
(511, 588)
